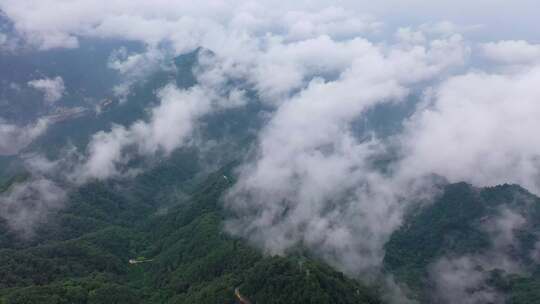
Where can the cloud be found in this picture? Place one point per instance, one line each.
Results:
(512, 51)
(170, 125)
(465, 279)
(424, 32)
(14, 138)
(333, 21)
(312, 181)
(24, 205)
(535, 253)
(461, 280)
(256, 61)
(3, 39)
(502, 230)
(52, 88)
(478, 128)
(134, 68)
(448, 28)
(48, 28)
(47, 25)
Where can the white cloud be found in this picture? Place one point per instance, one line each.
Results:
(464, 279)
(170, 126)
(479, 128)
(14, 138)
(257, 61)
(134, 68)
(461, 280)
(502, 230)
(447, 28)
(407, 35)
(333, 21)
(105, 152)
(512, 51)
(26, 204)
(52, 88)
(48, 25)
(312, 181)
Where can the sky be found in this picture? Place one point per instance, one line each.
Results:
(473, 68)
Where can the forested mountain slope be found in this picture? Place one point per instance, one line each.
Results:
(82, 255)
(484, 240)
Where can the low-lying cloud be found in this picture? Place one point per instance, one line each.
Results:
(480, 128)
(313, 181)
(465, 279)
(169, 127)
(27, 204)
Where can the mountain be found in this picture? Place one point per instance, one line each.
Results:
(82, 255)
(488, 238)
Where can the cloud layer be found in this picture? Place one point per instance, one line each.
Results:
(313, 181)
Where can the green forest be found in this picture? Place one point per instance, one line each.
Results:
(82, 254)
